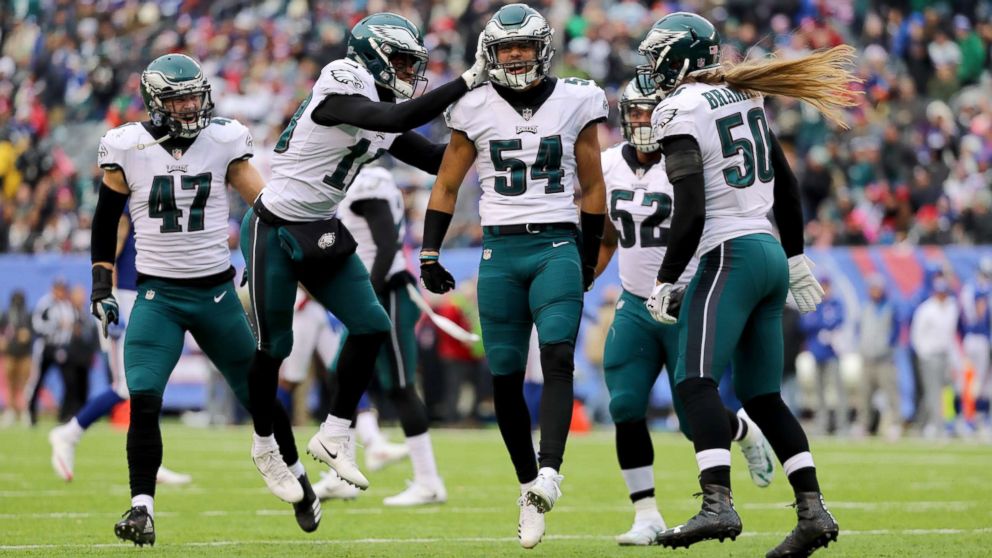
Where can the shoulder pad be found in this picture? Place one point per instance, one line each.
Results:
(226, 130)
(124, 137)
(345, 77)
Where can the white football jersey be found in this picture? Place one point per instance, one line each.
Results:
(640, 208)
(371, 184)
(313, 165)
(733, 136)
(178, 200)
(526, 160)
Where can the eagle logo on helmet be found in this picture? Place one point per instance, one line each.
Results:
(664, 37)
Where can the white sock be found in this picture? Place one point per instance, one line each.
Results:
(422, 459)
(262, 444)
(335, 426)
(367, 427)
(646, 511)
(525, 486)
(710, 458)
(73, 430)
(297, 469)
(638, 479)
(352, 442)
(144, 500)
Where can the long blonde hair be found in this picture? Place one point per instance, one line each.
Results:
(823, 79)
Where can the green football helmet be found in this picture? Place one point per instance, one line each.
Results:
(640, 93)
(379, 41)
(678, 45)
(518, 23)
(169, 77)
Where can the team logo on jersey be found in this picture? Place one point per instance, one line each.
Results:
(487, 254)
(527, 113)
(326, 240)
(347, 78)
(149, 294)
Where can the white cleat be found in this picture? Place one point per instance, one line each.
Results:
(337, 453)
(171, 478)
(530, 527)
(277, 475)
(546, 489)
(642, 533)
(384, 453)
(418, 494)
(758, 453)
(63, 453)
(331, 487)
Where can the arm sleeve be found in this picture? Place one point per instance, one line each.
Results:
(435, 227)
(106, 218)
(391, 118)
(380, 219)
(689, 214)
(787, 208)
(418, 151)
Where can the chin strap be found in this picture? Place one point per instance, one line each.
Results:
(156, 142)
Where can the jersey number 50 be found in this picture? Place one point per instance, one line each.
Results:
(756, 153)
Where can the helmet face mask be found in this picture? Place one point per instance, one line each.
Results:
(177, 95)
(392, 49)
(677, 46)
(517, 24)
(637, 103)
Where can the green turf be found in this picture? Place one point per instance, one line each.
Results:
(907, 499)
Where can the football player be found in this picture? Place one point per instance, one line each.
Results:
(530, 135)
(173, 171)
(640, 212)
(291, 235)
(728, 171)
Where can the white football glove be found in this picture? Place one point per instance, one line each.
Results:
(659, 304)
(479, 72)
(804, 287)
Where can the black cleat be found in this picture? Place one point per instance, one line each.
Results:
(717, 520)
(816, 528)
(308, 509)
(137, 527)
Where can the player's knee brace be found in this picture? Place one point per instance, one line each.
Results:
(411, 410)
(144, 443)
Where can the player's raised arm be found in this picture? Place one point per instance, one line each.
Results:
(103, 245)
(418, 151)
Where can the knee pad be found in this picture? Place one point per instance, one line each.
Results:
(504, 360)
(627, 407)
(558, 361)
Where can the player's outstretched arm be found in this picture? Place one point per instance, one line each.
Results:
(418, 151)
(390, 118)
(589, 170)
(110, 203)
(245, 179)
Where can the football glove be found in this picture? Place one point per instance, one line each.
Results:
(804, 287)
(479, 72)
(433, 276)
(664, 303)
(104, 305)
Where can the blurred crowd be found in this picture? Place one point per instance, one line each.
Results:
(914, 166)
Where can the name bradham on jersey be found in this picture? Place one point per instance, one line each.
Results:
(374, 183)
(526, 159)
(733, 136)
(640, 208)
(178, 200)
(314, 165)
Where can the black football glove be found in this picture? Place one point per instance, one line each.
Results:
(434, 277)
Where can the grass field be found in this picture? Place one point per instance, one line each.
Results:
(908, 499)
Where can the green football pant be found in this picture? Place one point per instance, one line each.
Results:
(396, 366)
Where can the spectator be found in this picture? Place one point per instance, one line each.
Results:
(83, 346)
(53, 321)
(16, 337)
(822, 327)
(879, 336)
(933, 338)
(972, 51)
(975, 326)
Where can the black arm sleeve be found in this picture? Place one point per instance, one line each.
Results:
(380, 219)
(682, 157)
(418, 151)
(391, 118)
(435, 227)
(787, 208)
(106, 216)
(592, 236)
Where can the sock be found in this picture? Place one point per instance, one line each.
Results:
(801, 472)
(646, 511)
(144, 500)
(73, 430)
(144, 443)
(714, 467)
(786, 437)
(711, 438)
(640, 482)
(354, 371)
(297, 469)
(737, 425)
(422, 459)
(285, 397)
(282, 429)
(556, 402)
(514, 424)
(411, 410)
(99, 406)
(263, 379)
(635, 453)
(367, 428)
(261, 444)
(337, 426)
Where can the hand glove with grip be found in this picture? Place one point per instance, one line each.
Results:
(804, 287)
(434, 277)
(664, 303)
(479, 72)
(104, 305)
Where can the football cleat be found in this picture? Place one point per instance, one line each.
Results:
(816, 528)
(384, 453)
(337, 453)
(277, 475)
(418, 494)
(546, 489)
(171, 478)
(63, 453)
(758, 453)
(308, 509)
(137, 527)
(642, 533)
(331, 487)
(717, 520)
(530, 526)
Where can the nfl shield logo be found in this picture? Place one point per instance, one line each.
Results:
(177, 153)
(640, 173)
(527, 113)
(487, 254)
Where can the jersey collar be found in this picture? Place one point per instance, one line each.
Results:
(526, 103)
(629, 154)
(176, 147)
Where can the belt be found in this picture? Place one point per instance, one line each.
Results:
(528, 228)
(266, 216)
